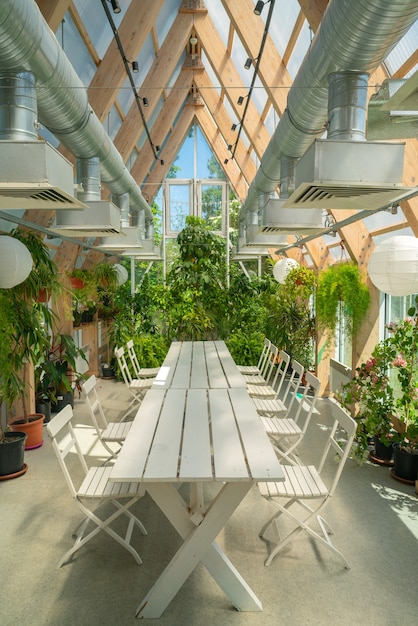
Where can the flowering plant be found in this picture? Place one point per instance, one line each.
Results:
(402, 348)
(371, 395)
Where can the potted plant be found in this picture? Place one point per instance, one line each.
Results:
(27, 321)
(370, 396)
(402, 346)
(56, 372)
(341, 293)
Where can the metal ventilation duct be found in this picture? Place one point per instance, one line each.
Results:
(277, 219)
(27, 43)
(100, 218)
(33, 175)
(130, 239)
(345, 171)
(393, 110)
(355, 35)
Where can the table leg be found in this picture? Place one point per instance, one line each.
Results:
(198, 546)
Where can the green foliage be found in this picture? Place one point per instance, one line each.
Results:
(245, 347)
(340, 287)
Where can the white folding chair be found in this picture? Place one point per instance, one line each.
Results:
(305, 484)
(140, 372)
(137, 386)
(95, 489)
(255, 370)
(106, 431)
(267, 403)
(287, 432)
(266, 376)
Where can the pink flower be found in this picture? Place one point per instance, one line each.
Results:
(399, 362)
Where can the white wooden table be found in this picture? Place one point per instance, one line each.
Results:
(197, 436)
(199, 365)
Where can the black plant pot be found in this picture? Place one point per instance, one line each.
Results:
(12, 454)
(406, 464)
(44, 407)
(381, 451)
(62, 400)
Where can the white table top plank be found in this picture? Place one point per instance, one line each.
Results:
(196, 462)
(166, 372)
(216, 374)
(129, 465)
(232, 373)
(199, 373)
(181, 378)
(261, 458)
(163, 458)
(228, 455)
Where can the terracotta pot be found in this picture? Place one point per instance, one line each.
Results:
(43, 295)
(33, 429)
(77, 283)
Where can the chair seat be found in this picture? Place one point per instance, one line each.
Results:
(116, 431)
(96, 485)
(148, 372)
(261, 391)
(300, 482)
(256, 379)
(281, 427)
(141, 383)
(268, 406)
(249, 370)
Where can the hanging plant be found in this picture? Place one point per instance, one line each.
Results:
(341, 289)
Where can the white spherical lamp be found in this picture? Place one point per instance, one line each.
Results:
(282, 268)
(122, 273)
(15, 262)
(393, 266)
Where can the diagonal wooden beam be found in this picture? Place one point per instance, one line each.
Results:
(155, 83)
(110, 75)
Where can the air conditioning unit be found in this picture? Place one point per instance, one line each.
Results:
(261, 238)
(148, 252)
(129, 239)
(33, 175)
(99, 218)
(349, 175)
(277, 219)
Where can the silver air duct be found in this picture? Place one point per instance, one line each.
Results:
(101, 217)
(355, 35)
(345, 171)
(27, 43)
(33, 175)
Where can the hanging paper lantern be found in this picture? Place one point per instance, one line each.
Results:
(393, 266)
(15, 262)
(122, 274)
(282, 268)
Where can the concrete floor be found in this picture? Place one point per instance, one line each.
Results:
(374, 517)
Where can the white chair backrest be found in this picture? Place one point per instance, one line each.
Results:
(123, 366)
(271, 362)
(94, 405)
(133, 357)
(335, 444)
(264, 354)
(64, 440)
(295, 382)
(307, 401)
(282, 367)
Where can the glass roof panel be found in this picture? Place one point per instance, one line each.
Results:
(165, 19)
(282, 23)
(384, 219)
(220, 19)
(76, 51)
(96, 23)
(405, 48)
(300, 49)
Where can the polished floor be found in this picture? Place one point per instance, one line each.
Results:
(374, 518)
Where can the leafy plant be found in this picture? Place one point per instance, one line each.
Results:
(245, 347)
(341, 289)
